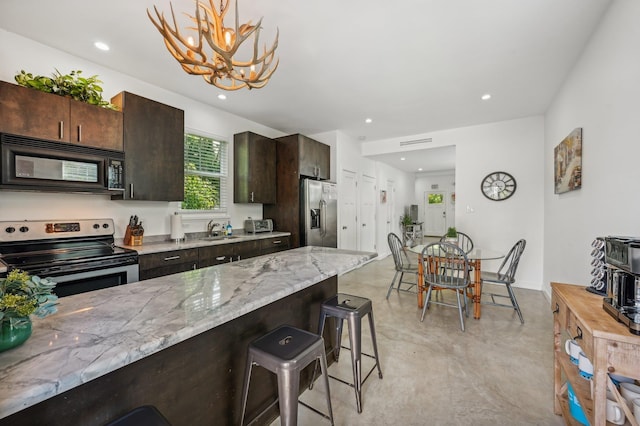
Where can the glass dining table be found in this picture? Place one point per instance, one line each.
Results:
(475, 256)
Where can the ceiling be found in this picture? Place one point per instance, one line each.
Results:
(412, 66)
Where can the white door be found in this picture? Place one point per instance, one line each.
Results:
(367, 226)
(435, 204)
(389, 207)
(348, 212)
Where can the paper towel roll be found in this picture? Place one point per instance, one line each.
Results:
(177, 233)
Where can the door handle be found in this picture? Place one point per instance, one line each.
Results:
(344, 227)
(364, 224)
(323, 218)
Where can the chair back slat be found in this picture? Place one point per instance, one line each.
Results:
(400, 257)
(464, 242)
(445, 265)
(509, 266)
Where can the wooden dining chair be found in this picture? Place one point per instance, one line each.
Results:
(403, 265)
(446, 266)
(506, 276)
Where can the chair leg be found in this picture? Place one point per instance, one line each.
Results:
(514, 302)
(392, 283)
(355, 340)
(288, 386)
(426, 303)
(400, 282)
(245, 390)
(325, 373)
(460, 310)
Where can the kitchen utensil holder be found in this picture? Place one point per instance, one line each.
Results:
(133, 236)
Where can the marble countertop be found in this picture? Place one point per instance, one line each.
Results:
(98, 332)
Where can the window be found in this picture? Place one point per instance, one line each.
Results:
(205, 173)
(435, 198)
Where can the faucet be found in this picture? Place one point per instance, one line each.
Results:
(211, 228)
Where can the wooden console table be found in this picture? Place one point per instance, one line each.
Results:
(609, 345)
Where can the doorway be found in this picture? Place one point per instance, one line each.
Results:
(348, 211)
(367, 214)
(435, 203)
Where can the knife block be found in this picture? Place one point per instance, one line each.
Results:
(133, 236)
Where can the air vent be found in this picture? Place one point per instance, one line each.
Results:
(415, 142)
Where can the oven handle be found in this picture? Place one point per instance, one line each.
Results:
(131, 270)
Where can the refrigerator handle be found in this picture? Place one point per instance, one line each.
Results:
(323, 218)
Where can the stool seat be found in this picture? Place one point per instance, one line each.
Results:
(286, 351)
(351, 308)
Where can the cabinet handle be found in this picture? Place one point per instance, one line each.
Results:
(79, 132)
(556, 310)
(277, 242)
(130, 190)
(61, 129)
(194, 267)
(220, 257)
(171, 258)
(579, 336)
(252, 196)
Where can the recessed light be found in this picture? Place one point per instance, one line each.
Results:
(402, 158)
(486, 97)
(368, 120)
(419, 169)
(222, 97)
(102, 46)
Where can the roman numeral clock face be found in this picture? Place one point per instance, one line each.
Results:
(498, 186)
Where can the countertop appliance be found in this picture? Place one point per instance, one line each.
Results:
(253, 226)
(318, 213)
(622, 256)
(79, 255)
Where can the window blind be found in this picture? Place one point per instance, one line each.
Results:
(205, 169)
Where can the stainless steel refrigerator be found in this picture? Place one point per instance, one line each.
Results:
(318, 213)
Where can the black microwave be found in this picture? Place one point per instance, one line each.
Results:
(41, 165)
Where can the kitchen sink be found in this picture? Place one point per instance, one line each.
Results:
(219, 238)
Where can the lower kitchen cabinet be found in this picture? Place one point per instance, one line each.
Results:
(214, 255)
(272, 245)
(171, 262)
(166, 263)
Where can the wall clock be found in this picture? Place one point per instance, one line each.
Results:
(498, 186)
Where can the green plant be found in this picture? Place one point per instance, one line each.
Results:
(452, 233)
(84, 89)
(22, 295)
(406, 220)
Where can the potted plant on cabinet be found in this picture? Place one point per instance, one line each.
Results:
(405, 222)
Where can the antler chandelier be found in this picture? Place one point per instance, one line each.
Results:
(211, 51)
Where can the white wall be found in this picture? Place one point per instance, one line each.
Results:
(18, 53)
(514, 146)
(600, 95)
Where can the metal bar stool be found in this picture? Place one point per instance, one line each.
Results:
(286, 351)
(353, 309)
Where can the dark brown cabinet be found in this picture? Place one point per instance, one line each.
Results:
(32, 113)
(154, 149)
(254, 169)
(297, 156)
(246, 249)
(166, 263)
(273, 245)
(215, 255)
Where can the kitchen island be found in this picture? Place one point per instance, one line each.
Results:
(178, 342)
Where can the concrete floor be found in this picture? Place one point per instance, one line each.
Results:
(498, 372)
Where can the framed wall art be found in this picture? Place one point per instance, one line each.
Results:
(567, 163)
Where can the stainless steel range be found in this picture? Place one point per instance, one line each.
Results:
(79, 255)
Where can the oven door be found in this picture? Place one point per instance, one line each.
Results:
(81, 282)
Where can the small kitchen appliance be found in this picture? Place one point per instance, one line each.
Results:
(254, 226)
(622, 257)
(79, 255)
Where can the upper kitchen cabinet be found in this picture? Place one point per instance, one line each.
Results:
(254, 169)
(313, 157)
(32, 113)
(153, 147)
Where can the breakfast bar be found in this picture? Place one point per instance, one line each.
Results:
(177, 342)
